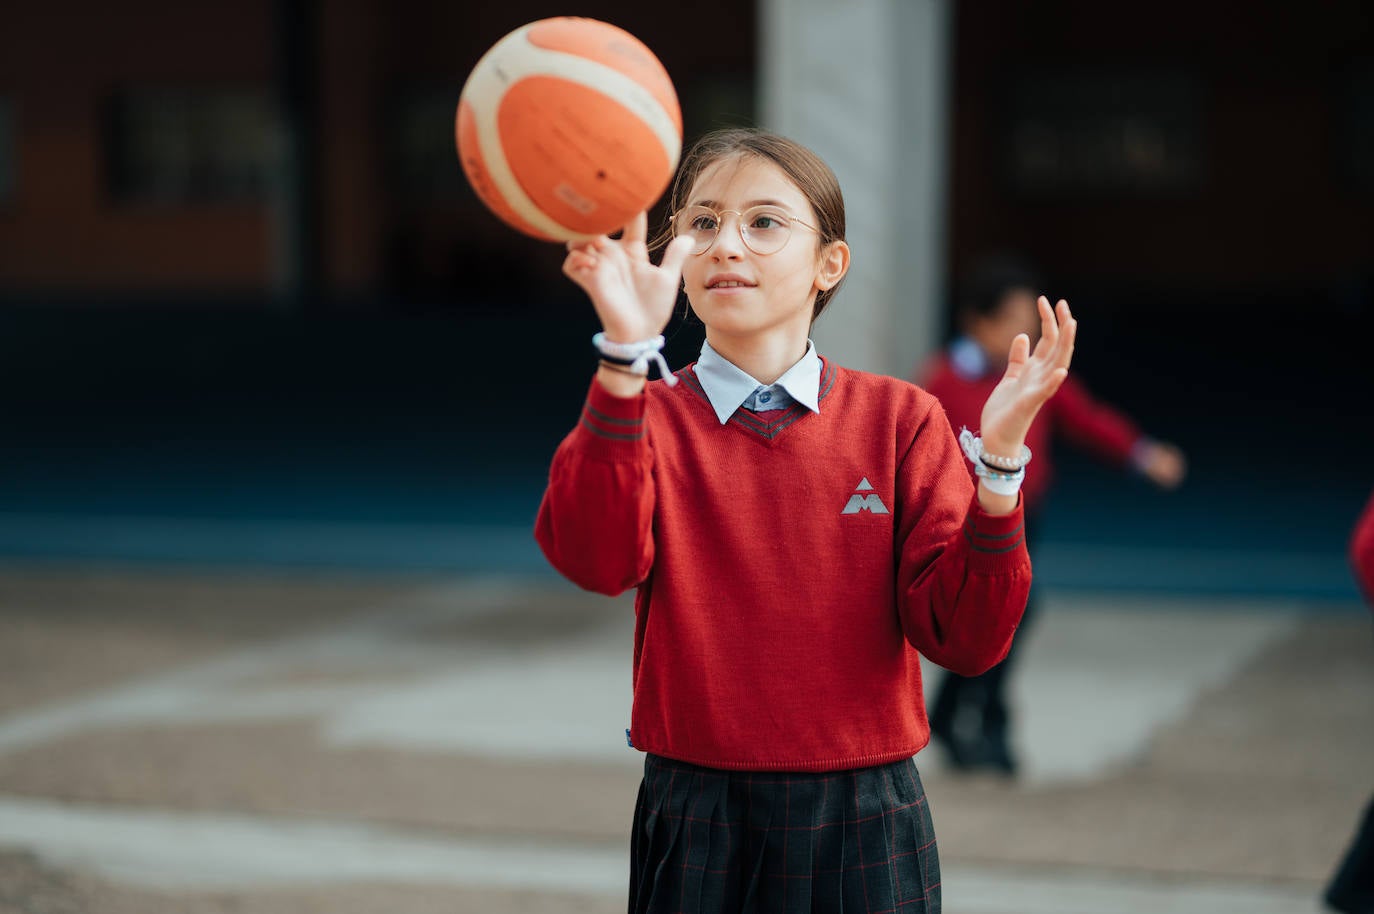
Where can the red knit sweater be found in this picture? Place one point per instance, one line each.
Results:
(788, 571)
(1362, 551)
(1071, 412)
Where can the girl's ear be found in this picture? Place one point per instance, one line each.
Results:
(834, 263)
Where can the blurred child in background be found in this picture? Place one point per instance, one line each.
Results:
(970, 716)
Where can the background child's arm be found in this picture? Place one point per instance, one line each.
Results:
(1105, 431)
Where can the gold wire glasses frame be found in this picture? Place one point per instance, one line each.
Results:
(763, 229)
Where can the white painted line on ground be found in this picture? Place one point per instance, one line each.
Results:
(203, 852)
(1094, 682)
(978, 890)
(566, 701)
(209, 689)
(161, 849)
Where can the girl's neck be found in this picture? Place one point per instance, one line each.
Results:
(764, 357)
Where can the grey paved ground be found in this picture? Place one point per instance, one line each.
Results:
(216, 743)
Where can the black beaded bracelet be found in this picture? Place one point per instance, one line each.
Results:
(1001, 469)
(620, 367)
(612, 359)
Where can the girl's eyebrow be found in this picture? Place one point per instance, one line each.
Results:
(712, 204)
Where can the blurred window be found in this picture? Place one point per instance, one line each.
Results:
(712, 102)
(7, 151)
(1358, 132)
(191, 145)
(1103, 132)
(422, 153)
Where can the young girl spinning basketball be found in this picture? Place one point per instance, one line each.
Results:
(797, 533)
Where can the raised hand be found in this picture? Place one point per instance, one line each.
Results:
(633, 297)
(1030, 380)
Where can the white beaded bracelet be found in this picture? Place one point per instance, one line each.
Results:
(999, 482)
(973, 449)
(636, 355)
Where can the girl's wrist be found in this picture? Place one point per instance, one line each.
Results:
(628, 333)
(620, 383)
(621, 336)
(1001, 448)
(995, 504)
(633, 358)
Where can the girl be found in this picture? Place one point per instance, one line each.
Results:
(797, 532)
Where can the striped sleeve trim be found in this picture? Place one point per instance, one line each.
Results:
(599, 416)
(612, 418)
(994, 543)
(615, 428)
(614, 436)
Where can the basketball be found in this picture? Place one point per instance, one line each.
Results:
(568, 127)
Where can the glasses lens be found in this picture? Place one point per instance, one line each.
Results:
(765, 229)
(700, 224)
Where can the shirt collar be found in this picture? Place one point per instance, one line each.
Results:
(968, 359)
(727, 385)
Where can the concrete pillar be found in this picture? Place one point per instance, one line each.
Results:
(866, 84)
(296, 191)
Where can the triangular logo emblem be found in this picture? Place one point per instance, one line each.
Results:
(870, 502)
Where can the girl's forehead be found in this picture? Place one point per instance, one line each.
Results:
(740, 180)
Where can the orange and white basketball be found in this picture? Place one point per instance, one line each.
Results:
(568, 127)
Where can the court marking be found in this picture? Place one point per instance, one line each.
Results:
(161, 850)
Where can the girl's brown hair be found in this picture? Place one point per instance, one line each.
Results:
(805, 169)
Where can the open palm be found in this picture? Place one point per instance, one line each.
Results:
(1030, 380)
(633, 297)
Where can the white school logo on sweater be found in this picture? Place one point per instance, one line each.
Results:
(870, 502)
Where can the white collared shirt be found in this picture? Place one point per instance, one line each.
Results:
(729, 387)
(968, 359)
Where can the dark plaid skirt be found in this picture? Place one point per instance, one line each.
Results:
(708, 841)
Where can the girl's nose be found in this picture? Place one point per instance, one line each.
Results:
(728, 243)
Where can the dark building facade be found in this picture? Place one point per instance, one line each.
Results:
(142, 146)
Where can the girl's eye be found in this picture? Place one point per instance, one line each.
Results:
(703, 224)
(767, 221)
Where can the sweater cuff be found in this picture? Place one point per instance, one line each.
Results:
(997, 543)
(610, 427)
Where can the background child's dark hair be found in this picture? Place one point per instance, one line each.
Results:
(805, 169)
(990, 279)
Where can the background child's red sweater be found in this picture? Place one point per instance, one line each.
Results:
(1071, 412)
(789, 569)
(1362, 551)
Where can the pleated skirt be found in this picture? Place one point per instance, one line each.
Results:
(708, 841)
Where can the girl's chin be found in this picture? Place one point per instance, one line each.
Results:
(732, 324)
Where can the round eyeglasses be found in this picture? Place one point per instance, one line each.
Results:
(763, 229)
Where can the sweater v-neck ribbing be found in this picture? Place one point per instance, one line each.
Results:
(751, 422)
